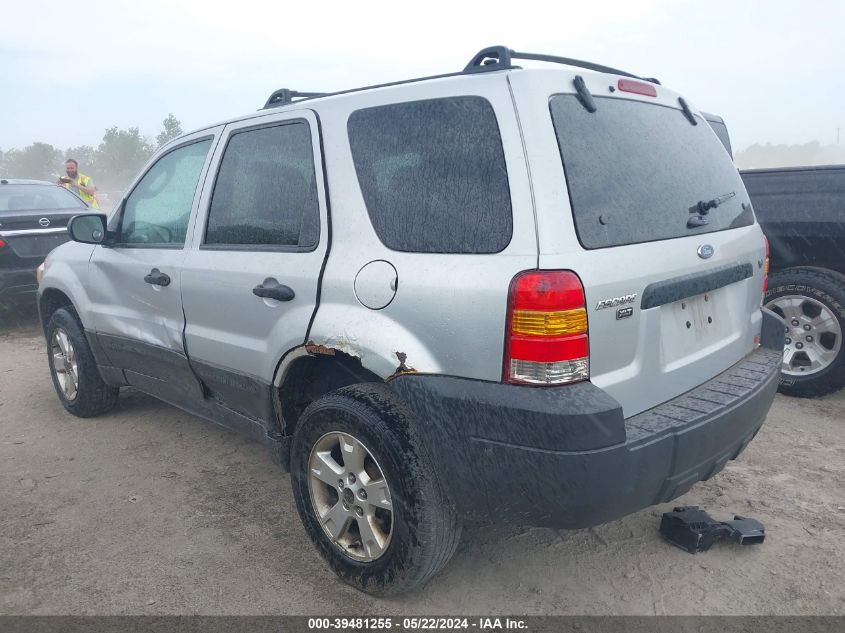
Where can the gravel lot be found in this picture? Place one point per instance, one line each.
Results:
(149, 510)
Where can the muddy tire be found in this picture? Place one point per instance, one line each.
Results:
(812, 303)
(368, 494)
(73, 369)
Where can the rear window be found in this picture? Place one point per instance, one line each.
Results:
(37, 198)
(636, 172)
(433, 175)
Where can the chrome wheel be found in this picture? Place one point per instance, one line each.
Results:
(65, 364)
(350, 496)
(813, 334)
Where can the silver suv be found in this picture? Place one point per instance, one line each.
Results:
(528, 294)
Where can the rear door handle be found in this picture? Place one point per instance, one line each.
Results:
(157, 278)
(271, 289)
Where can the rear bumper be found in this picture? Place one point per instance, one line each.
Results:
(18, 283)
(566, 457)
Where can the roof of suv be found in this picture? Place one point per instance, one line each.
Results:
(491, 59)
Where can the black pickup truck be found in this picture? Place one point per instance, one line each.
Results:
(802, 213)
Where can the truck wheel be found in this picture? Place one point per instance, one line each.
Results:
(812, 302)
(368, 494)
(74, 371)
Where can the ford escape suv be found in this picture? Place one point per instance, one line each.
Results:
(532, 294)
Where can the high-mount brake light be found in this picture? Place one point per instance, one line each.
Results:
(546, 342)
(637, 87)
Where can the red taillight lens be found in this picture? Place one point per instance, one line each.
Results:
(546, 342)
(2, 243)
(637, 87)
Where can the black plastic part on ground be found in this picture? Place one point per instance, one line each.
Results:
(693, 530)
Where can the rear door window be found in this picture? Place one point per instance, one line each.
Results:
(266, 190)
(636, 172)
(433, 175)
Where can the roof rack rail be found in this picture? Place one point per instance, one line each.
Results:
(500, 58)
(283, 96)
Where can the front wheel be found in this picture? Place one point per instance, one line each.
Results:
(76, 378)
(367, 492)
(811, 301)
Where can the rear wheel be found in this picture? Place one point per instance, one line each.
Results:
(367, 492)
(74, 371)
(811, 301)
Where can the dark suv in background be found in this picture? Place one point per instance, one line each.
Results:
(33, 221)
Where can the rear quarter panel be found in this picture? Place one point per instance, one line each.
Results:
(448, 313)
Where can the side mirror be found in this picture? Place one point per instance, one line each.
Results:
(88, 229)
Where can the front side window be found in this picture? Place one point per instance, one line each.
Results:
(159, 208)
(433, 175)
(266, 190)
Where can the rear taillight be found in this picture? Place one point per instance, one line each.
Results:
(546, 341)
(766, 267)
(2, 243)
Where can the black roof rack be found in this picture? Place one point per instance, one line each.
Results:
(283, 96)
(486, 60)
(500, 58)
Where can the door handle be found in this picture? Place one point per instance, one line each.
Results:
(157, 278)
(277, 291)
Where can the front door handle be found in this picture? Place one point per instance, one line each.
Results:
(271, 289)
(157, 278)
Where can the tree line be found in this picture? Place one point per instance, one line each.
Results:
(112, 164)
(771, 155)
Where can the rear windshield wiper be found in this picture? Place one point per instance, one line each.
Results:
(702, 208)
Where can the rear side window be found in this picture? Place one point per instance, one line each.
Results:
(721, 131)
(433, 175)
(266, 190)
(636, 172)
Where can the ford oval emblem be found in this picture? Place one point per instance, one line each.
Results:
(44, 222)
(705, 251)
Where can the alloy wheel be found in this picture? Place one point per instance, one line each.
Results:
(813, 334)
(350, 496)
(65, 363)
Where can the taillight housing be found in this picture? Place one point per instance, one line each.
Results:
(2, 243)
(546, 340)
(766, 267)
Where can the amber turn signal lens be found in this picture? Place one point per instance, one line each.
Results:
(540, 323)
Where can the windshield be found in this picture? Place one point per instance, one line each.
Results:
(636, 172)
(37, 198)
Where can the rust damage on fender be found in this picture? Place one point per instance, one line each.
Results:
(403, 368)
(315, 348)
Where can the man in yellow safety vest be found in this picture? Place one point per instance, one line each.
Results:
(80, 184)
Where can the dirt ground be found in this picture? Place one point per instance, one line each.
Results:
(149, 510)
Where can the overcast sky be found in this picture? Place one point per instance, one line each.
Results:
(775, 70)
